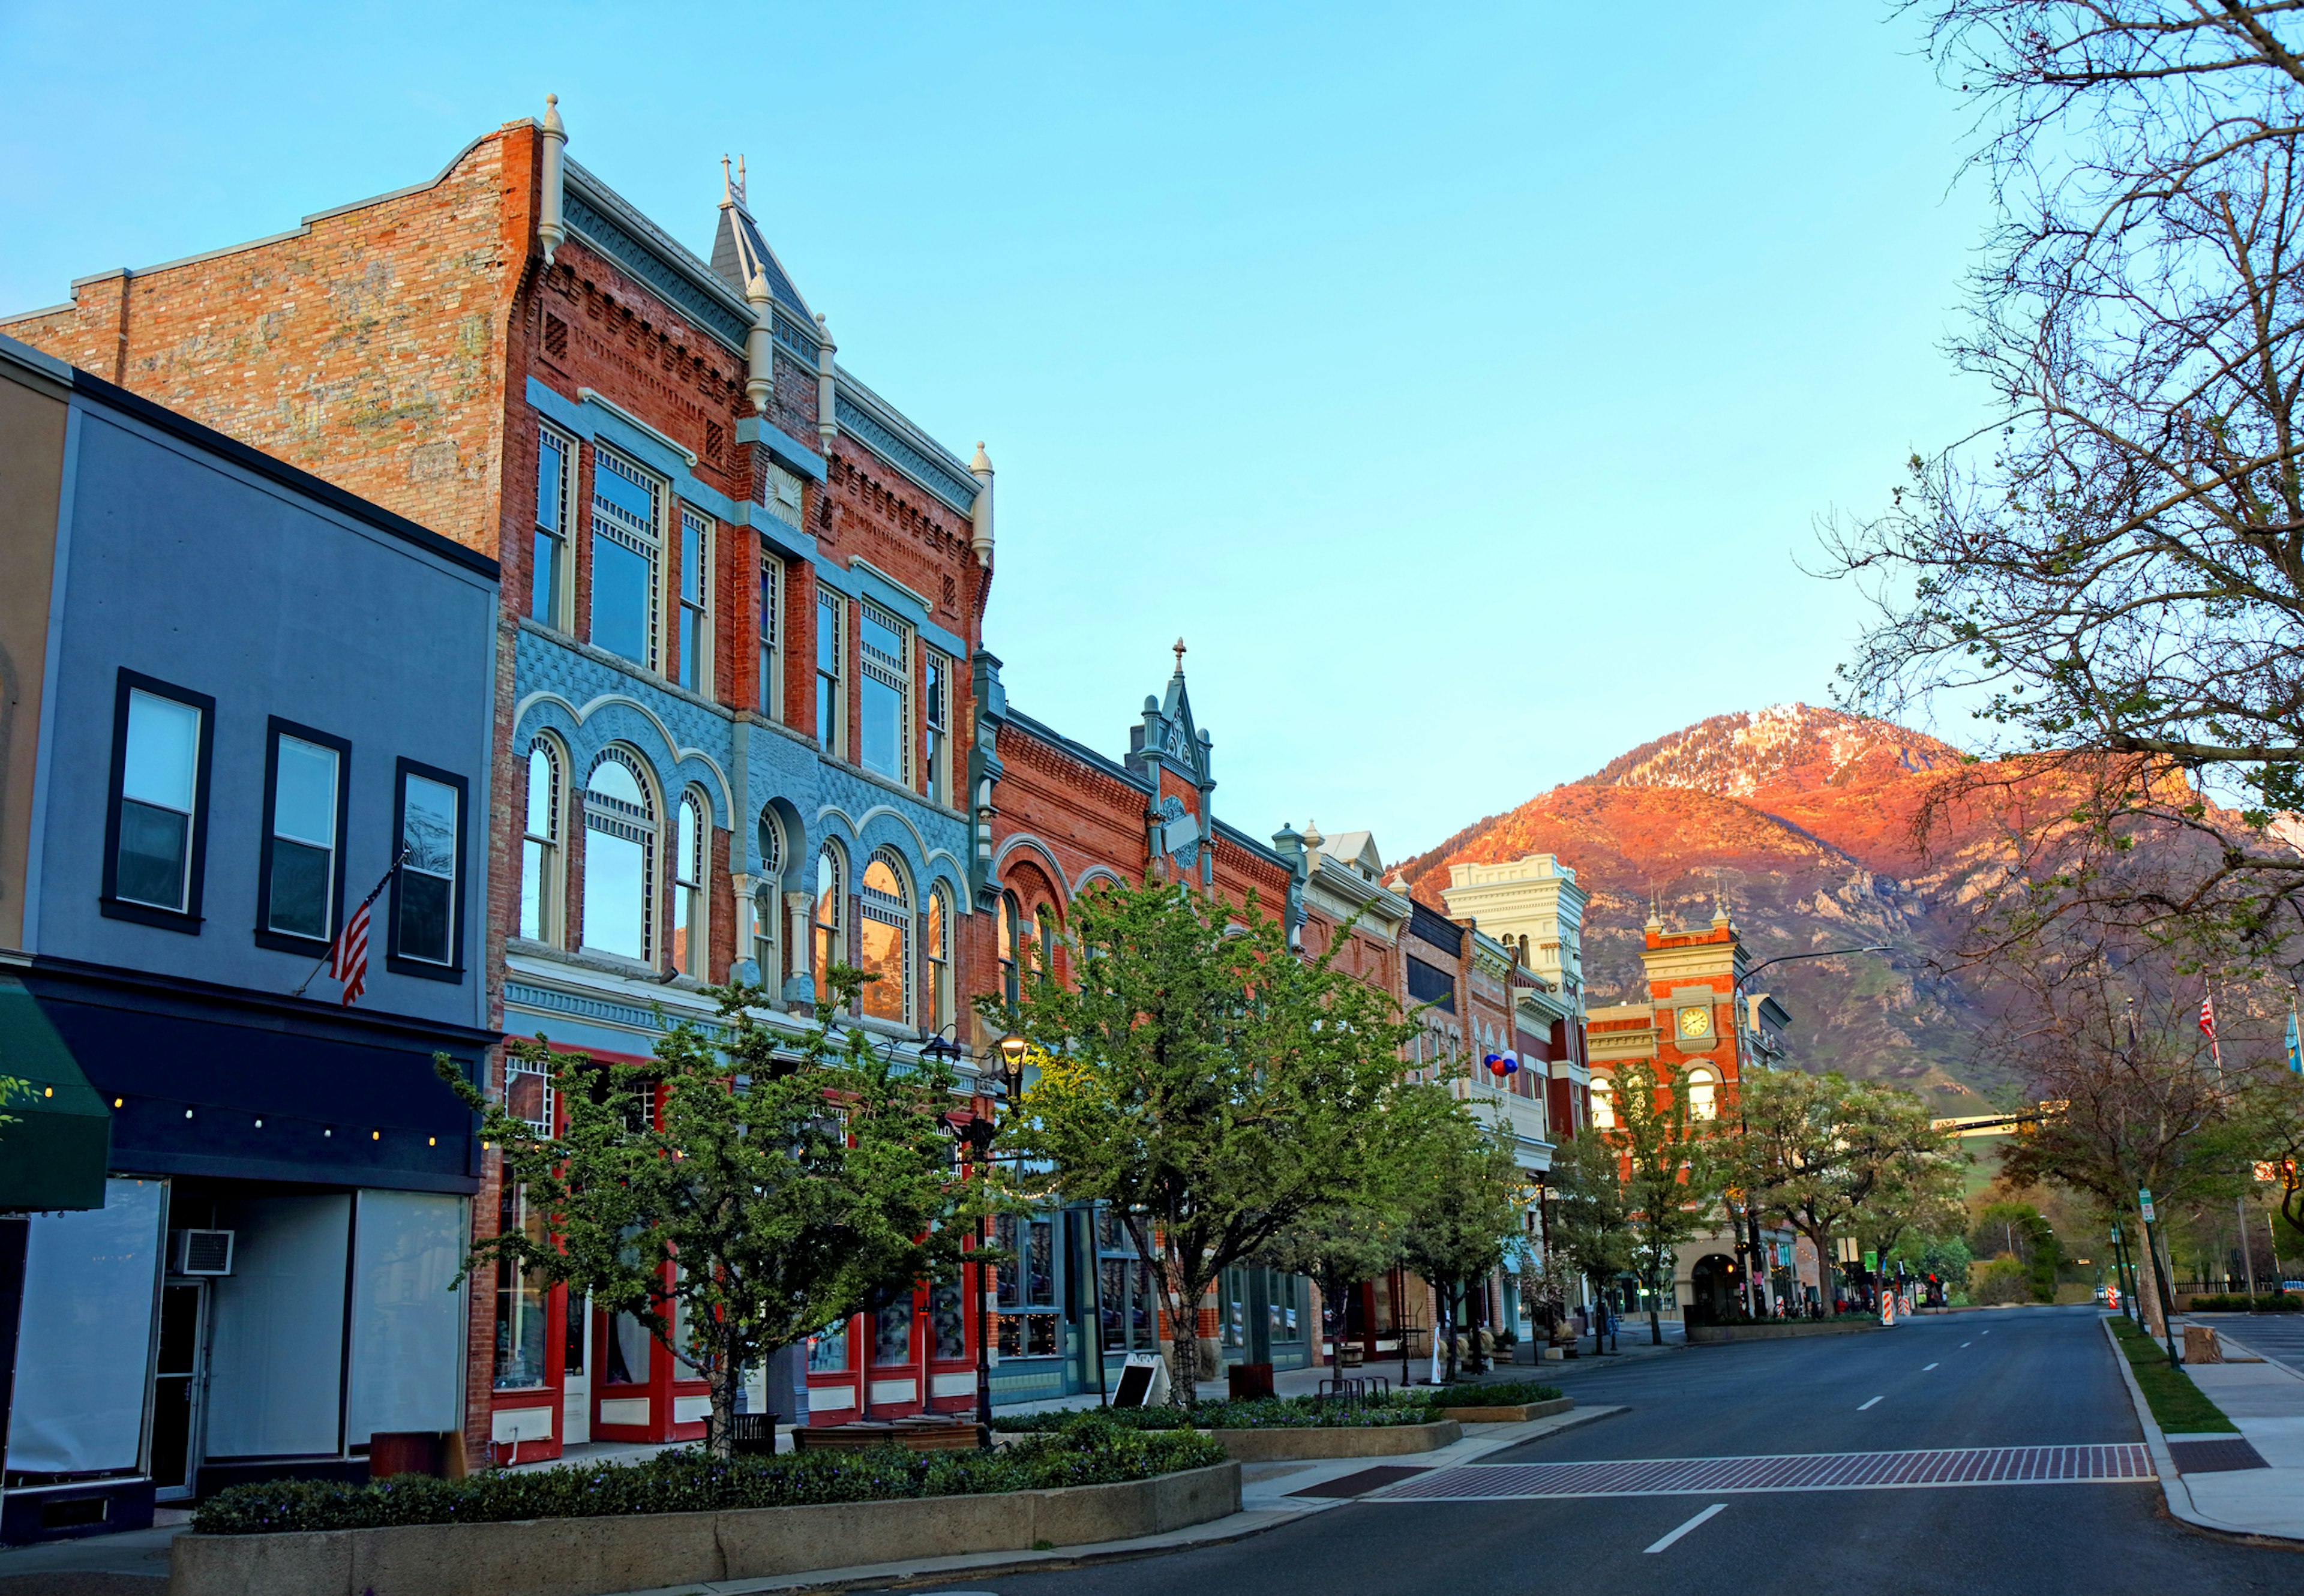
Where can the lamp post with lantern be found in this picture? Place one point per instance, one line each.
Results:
(973, 1135)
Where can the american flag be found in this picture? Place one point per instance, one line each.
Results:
(2208, 1018)
(347, 959)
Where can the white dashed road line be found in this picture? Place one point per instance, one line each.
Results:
(1866, 1405)
(1925, 1370)
(1690, 1524)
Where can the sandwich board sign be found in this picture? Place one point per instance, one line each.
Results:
(1143, 1381)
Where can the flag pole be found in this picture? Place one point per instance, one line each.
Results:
(374, 893)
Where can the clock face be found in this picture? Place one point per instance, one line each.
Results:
(1695, 1021)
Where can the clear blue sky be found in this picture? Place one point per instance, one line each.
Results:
(1461, 382)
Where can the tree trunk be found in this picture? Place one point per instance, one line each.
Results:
(719, 1439)
(1446, 1295)
(1184, 1335)
(2147, 1291)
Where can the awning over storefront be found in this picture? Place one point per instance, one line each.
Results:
(53, 1156)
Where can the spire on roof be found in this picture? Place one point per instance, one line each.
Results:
(739, 253)
(1180, 656)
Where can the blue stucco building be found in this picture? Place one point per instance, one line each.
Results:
(239, 695)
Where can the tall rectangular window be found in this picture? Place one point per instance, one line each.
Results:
(426, 888)
(521, 1327)
(935, 766)
(300, 873)
(695, 601)
(157, 823)
(829, 700)
(626, 547)
(555, 482)
(884, 717)
(772, 637)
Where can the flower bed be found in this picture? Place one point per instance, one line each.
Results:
(1084, 1449)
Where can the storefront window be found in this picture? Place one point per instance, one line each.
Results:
(1027, 1334)
(827, 1350)
(1040, 1266)
(948, 1322)
(892, 1333)
(628, 1351)
(521, 1331)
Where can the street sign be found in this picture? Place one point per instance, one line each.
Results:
(1871, 1261)
(2143, 1201)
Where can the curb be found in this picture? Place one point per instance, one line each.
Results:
(2172, 1483)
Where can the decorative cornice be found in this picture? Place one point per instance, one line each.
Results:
(861, 412)
(610, 224)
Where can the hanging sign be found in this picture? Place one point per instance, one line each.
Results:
(2143, 1201)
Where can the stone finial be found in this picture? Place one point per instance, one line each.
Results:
(827, 413)
(980, 514)
(1312, 837)
(551, 228)
(759, 344)
(1180, 656)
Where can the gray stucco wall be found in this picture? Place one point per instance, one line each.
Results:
(186, 567)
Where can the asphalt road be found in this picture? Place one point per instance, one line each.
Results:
(2279, 1336)
(2019, 1378)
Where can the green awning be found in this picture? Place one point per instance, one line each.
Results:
(53, 1156)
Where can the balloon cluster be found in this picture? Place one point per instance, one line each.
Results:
(1501, 1063)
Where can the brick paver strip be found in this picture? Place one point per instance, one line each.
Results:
(2116, 1463)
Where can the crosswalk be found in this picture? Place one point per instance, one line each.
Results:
(2106, 1463)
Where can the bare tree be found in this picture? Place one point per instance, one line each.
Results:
(2105, 1033)
(2113, 572)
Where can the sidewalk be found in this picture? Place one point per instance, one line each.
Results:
(2253, 1485)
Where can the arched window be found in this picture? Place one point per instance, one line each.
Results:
(1045, 919)
(539, 847)
(691, 848)
(886, 935)
(619, 859)
(1703, 1095)
(830, 946)
(767, 903)
(936, 934)
(1604, 1104)
(1010, 916)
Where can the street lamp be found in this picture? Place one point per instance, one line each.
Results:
(1750, 1244)
(973, 1135)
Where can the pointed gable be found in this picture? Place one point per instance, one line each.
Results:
(738, 250)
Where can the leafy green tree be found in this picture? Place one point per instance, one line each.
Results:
(1672, 1180)
(733, 1201)
(1591, 1221)
(1816, 1150)
(1208, 1084)
(1465, 1216)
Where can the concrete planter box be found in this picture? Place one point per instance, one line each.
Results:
(587, 1557)
(1513, 1414)
(1710, 1335)
(1292, 1445)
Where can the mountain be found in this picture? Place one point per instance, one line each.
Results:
(1804, 821)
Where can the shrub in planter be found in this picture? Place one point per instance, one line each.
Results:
(1262, 1413)
(1087, 1449)
(1503, 1394)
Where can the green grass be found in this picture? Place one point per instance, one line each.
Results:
(2177, 1404)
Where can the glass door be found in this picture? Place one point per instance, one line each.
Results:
(179, 1387)
(576, 1389)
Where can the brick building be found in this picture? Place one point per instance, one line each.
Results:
(738, 589)
(1061, 817)
(1696, 1022)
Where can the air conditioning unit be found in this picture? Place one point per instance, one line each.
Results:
(200, 1253)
